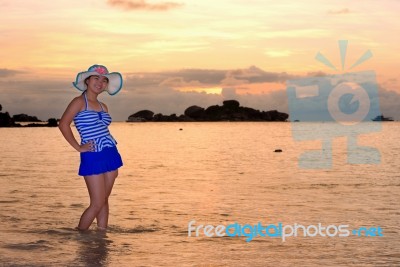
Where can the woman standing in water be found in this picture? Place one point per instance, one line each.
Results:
(100, 159)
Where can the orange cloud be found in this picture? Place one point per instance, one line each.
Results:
(143, 5)
(176, 82)
(8, 72)
(209, 78)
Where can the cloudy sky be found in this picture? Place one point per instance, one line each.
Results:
(177, 53)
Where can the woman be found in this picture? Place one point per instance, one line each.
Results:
(100, 159)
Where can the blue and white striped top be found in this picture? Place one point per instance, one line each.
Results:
(93, 125)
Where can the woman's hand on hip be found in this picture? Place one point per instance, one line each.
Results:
(88, 147)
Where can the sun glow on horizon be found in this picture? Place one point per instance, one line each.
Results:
(207, 90)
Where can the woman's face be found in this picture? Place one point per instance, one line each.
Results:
(97, 83)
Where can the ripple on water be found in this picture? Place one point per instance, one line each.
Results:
(136, 230)
(60, 232)
(36, 245)
(9, 201)
(77, 205)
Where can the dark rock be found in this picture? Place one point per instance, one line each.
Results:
(143, 114)
(52, 122)
(166, 118)
(25, 118)
(278, 150)
(185, 118)
(171, 118)
(231, 104)
(215, 113)
(252, 114)
(274, 115)
(6, 120)
(194, 112)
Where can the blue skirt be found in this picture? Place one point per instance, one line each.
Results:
(106, 160)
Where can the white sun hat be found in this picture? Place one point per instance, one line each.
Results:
(114, 79)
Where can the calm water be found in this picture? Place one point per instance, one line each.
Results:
(214, 173)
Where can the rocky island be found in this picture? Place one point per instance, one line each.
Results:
(229, 111)
(7, 121)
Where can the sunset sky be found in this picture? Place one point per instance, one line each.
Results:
(173, 54)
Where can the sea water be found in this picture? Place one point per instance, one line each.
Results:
(218, 173)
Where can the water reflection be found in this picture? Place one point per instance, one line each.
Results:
(93, 248)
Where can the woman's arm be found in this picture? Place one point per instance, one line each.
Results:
(65, 125)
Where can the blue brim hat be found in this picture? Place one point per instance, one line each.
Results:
(114, 79)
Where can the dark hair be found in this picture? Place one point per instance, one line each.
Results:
(85, 81)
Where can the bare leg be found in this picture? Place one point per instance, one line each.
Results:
(102, 216)
(97, 192)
